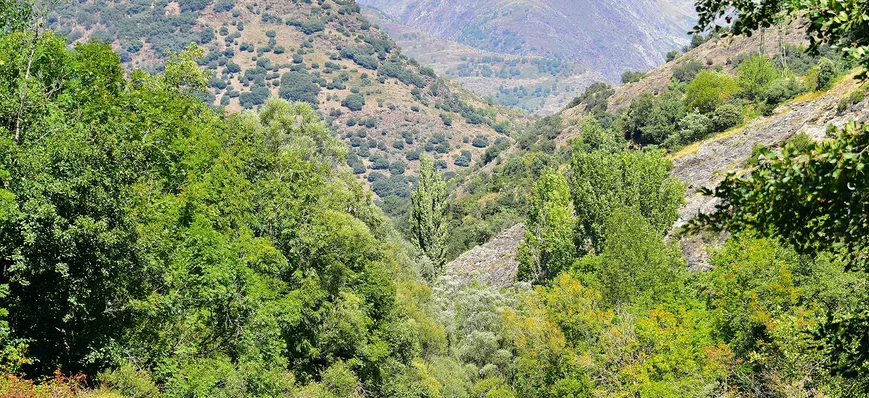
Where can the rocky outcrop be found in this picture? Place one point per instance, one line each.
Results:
(704, 164)
(493, 263)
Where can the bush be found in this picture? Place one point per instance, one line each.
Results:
(780, 91)
(224, 5)
(632, 77)
(672, 55)
(726, 117)
(693, 127)
(379, 162)
(397, 168)
(313, 26)
(800, 142)
(687, 71)
(256, 96)
(412, 155)
(298, 86)
(354, 102)
(480, 141)
(851, 99)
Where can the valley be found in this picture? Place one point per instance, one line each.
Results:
(421, 199)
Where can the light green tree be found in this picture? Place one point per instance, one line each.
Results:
(709, 90)
(602, 182)
(428, 218)
(548, 247)
(755, 75)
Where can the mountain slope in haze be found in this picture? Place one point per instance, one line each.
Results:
(607, 37)
(541, 85)
(385, 106)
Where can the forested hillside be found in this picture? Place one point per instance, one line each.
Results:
(154, 244)
(387, 107)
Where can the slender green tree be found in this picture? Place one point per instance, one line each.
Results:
(548, 247)
(427, 218)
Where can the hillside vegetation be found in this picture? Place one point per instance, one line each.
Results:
(154, 244)
(387, 107)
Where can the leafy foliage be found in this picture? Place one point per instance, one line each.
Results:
(428, 228)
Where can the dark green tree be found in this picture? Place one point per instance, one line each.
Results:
(428, 213)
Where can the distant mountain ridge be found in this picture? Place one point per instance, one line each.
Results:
(607, 37)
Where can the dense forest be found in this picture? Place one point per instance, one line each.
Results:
(153, 244)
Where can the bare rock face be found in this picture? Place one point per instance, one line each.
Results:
(704, 164)
(493, 263)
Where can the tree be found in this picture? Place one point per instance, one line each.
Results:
(602, 182)
(755, 75)
(826, 73)
(814, 198)
(709, 90)
(354, 102)
(428, 213)
(636, 264)
(15, 15)
(841, 23)
(548, 247)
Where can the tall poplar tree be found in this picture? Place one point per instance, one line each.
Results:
(427, 218)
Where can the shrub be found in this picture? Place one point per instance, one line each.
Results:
(397, 168)
(851, 99)
(780, 91)
(672, 55)
(632, 77)
(313, 26)
(298, 86)
(726, 117)
(223, 5)
(687, 71)
(693, 127)
(800, 142)
(379, 162)
(448, 121)
(480, 141)
(256, 96)
(412, 155)
(354, 102)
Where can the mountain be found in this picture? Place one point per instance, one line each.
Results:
(384, 105)
(606, 37)
(537, 84)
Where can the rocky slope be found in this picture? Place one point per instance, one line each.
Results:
(493, 263)
(704, 164)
